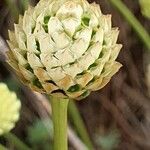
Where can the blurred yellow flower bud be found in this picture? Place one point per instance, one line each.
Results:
(9, 109)
(145, 7)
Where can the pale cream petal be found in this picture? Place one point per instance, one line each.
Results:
(68, 9)
(31, 44)
(70, 25)
(111, 37)
(28, 21)
(115, 52)
(105, 23)
(99, 36)
(34, 61)
(54, 25)
(61, 40)
(90, 56)
(56, 73)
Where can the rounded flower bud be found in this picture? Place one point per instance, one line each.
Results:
(145, 7)
(65, 48)
(9, 109)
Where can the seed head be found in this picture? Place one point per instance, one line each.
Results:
(65, 48)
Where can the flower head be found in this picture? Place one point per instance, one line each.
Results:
(9, 109)
(65, 48)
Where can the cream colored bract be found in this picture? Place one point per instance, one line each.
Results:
(9, 109)
(65, 48)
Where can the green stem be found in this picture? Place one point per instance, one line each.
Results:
(133, 21)
(2, 147)
(79, 124)
(59, 116)
(12, 138)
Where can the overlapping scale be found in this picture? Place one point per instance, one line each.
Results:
(66, 48)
